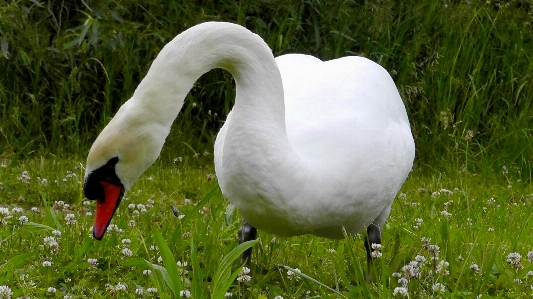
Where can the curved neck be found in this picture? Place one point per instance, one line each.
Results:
(255, 143)
(202, 48)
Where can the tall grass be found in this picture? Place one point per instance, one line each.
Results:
(463, 69)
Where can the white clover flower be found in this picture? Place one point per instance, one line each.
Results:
(243, 275)
(530, 256)
(435, 249)
(25, 177)
(114, 228)
(182, 266)
(229, 294)
(376, 251)
(420, 259)
(47, 264)
(147, 272)
(51, 290)
(154, 247)
(51, 243)
(4, 215)
(23, 219)
(34, 209)
(131, 206)
(70, 219)
(514, 259)
(185, 294)
(418, 223)
(400, 292)
(55, 232)
(127, 252)
(160, 259)
(438, 287)
(446, 191)
(132, 223)
(504, 170)
(139, 291)
(411, 271)
(86, 202)
(67, 297)
(474, 267)
(120, 287)
(403, 281)
(151, 290)
(126, 241)
(278, 297)
(17, 210)
(446, 214)
(396, 275)
(292, 275)
(58, 203)
(88, 213)
(5, 292)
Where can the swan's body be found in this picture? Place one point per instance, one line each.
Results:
(310, 147)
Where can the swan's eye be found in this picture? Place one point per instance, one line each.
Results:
(93, 188)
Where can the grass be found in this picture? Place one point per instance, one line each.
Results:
(475, 222)
(463, 69)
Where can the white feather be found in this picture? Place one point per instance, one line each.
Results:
(310, 147)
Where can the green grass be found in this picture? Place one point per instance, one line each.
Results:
(463, 69)
(490, 218)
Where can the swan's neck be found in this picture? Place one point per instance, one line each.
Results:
(257, 127)
(205, 47)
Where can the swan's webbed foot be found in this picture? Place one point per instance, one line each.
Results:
(373, 237)
(247, 233)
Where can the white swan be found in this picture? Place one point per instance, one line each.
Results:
(310, 147)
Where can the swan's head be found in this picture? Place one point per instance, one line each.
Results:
(126, 147)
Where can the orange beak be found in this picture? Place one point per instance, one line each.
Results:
(105, 208)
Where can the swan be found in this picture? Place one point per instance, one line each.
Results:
(310, 147)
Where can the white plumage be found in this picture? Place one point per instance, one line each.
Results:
(310, 147)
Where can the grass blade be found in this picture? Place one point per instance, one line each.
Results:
(223, 277)
(315, 281)
(174, 282)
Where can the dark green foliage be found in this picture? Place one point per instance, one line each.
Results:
(463, 68)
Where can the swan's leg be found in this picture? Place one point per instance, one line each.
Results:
(247, 233)
(373, 232)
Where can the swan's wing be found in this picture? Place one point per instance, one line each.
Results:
(346, 119)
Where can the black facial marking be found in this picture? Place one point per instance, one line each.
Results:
(92, 188)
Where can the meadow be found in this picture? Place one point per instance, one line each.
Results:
(461, 226)
(459, 236)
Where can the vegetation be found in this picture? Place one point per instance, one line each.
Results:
(460, 227)
(468, 236)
